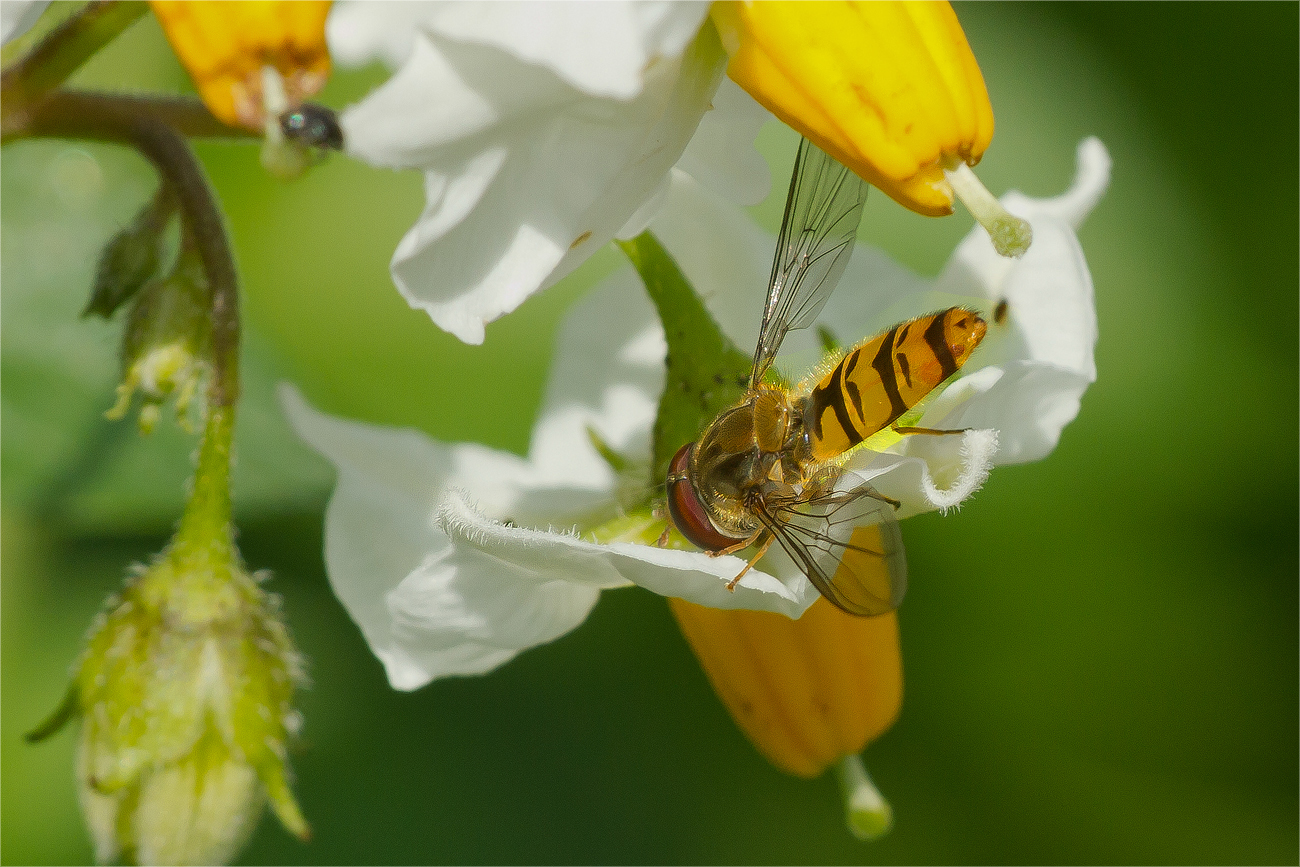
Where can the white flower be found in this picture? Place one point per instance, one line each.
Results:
(18, 16)
(453, 558)
(543, 130)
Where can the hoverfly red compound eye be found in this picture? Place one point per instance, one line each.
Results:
(685, 508)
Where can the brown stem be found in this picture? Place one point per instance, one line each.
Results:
(89, 117)
(185, 114)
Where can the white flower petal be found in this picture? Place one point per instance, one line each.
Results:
(977, 270)
(603, 49)
(435, 112)
(380, 538)
(722, 156)
(526, 176)
(1043, 352)
(362, 31)
(550, 555)
(18, 16)
(723, 253)
(607, 375)
(1031, 404)
(1091, 178)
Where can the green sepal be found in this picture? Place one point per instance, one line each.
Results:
(705, 372)
(68, 708)
(131, 256)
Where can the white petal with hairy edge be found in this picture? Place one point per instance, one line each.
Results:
(382, 549)
(932, 472)
(550, 555)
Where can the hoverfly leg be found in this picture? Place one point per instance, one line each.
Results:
(905, 430)
(897, 504)
(731, 549)
(762, 549)
(662, 541)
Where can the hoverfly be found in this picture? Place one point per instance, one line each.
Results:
(769, 467)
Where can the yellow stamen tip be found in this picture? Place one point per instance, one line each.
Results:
(1011, 236)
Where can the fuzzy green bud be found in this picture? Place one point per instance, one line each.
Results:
(184, 691)
(166, 345)
(131, 257)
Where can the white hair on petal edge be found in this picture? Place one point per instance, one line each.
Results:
(976, 458)
(459, 517)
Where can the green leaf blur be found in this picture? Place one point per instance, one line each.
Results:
(1101, 649)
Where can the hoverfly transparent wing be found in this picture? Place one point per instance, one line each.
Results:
(822, 212)
(848, 544)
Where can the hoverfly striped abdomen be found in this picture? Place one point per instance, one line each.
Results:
(885, 376)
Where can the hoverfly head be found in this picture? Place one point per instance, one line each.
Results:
(685, 507)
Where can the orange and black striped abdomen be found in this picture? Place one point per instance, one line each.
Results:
(884, 377)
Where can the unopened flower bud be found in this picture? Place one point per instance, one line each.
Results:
(131, 257)
(165, 346)
(184, 692)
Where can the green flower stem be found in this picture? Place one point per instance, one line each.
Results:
(62, 52)
(208, 510)
(115, 120)
(705, 372)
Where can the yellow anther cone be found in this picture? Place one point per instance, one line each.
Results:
(890, 89)
(806, 692)
(225, 46)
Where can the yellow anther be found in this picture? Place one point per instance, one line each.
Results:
(224, 47)
(890, 89)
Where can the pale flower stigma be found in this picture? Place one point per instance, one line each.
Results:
(1011, 236)
(868, 814)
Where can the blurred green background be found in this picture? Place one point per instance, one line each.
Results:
(1100, 649)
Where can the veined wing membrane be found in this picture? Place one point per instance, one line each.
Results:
(848, 544)
(822, 212)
